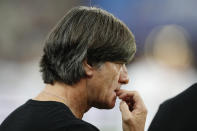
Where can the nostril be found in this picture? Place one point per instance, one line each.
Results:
(127, 81)
(124, 80)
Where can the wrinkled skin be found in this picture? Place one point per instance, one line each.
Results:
(134, 119)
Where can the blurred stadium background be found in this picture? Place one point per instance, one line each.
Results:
(165, 63)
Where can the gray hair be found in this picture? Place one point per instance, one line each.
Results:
(84, 33)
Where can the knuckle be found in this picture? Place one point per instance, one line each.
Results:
(136, 93)
(145, 111)
(127, 120)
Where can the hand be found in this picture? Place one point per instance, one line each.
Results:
(133, 110)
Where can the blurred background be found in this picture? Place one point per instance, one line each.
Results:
(165, 63)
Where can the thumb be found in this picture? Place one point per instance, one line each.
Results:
(124, 108)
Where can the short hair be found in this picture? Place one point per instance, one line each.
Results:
(84, 33)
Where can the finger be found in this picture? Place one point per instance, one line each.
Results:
(132, 94)
(139, 104)
(124, 110)
(125, 95)
(138, 99)
(129, 101)
(120, 91)
(122, 94)
(132, 97)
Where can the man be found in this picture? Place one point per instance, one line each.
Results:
(178, 113)
(83, 66)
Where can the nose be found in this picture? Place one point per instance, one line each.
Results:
(124, 78)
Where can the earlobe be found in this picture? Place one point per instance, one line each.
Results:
(88, 69)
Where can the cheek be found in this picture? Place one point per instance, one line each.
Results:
(114, 80)
(113, 85)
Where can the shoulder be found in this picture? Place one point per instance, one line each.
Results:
(80, 125)
(184, 104)
(177, 113)
(187, 97)
(188, 93)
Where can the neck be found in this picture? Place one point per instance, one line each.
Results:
(75, 96)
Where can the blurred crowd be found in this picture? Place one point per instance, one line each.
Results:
(165, 63)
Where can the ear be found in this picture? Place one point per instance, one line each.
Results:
(88, 68)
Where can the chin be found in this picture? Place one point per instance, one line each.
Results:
(108, 105)
(111, 106)
(113, 103)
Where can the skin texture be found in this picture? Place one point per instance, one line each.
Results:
(103, 84)
(112, 76)
(132, 120)
(100, 89)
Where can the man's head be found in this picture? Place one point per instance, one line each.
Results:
(84, 34)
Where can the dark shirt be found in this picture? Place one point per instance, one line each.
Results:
(45, 116)
(178, 113)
